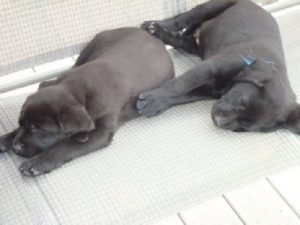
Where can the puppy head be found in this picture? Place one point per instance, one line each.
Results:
(47, 117)
(261, 99)
(247, 107)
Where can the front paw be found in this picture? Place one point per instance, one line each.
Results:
(152, 28)
(154, 102)
(35, 167)
(4, 144)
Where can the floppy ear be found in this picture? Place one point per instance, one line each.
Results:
(293, 121)
(256, 77)
(75, 119)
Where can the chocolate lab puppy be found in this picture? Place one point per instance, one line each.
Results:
(243, 67)
(80, 111)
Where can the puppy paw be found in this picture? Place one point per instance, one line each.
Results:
(34, 167)
(152, 28)
(153, 103)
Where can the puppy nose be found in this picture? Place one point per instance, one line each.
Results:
(18, 147)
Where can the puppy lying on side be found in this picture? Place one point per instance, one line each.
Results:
(243, 66)
(80, 111)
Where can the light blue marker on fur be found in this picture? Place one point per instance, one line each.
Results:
(248, 60)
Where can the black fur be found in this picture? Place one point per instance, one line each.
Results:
(243, 67)
(80, 111)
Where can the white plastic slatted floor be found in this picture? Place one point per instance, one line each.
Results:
(272, 201)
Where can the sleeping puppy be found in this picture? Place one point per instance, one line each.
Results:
(80, 111)
(243, 67)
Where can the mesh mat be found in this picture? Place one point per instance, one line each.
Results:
(34, 32)
(154, 166)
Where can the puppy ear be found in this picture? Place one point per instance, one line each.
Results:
(75, 120)
(255, 77)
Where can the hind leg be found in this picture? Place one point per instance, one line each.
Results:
(186, 43)
(128, 112)
(193, 17)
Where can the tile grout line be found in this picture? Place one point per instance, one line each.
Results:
(181, 219)
(282, 197)
(234, 210)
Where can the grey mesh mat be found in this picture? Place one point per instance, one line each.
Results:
(154, 166)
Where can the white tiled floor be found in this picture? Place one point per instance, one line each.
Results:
(206, 213)
(273, 201)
